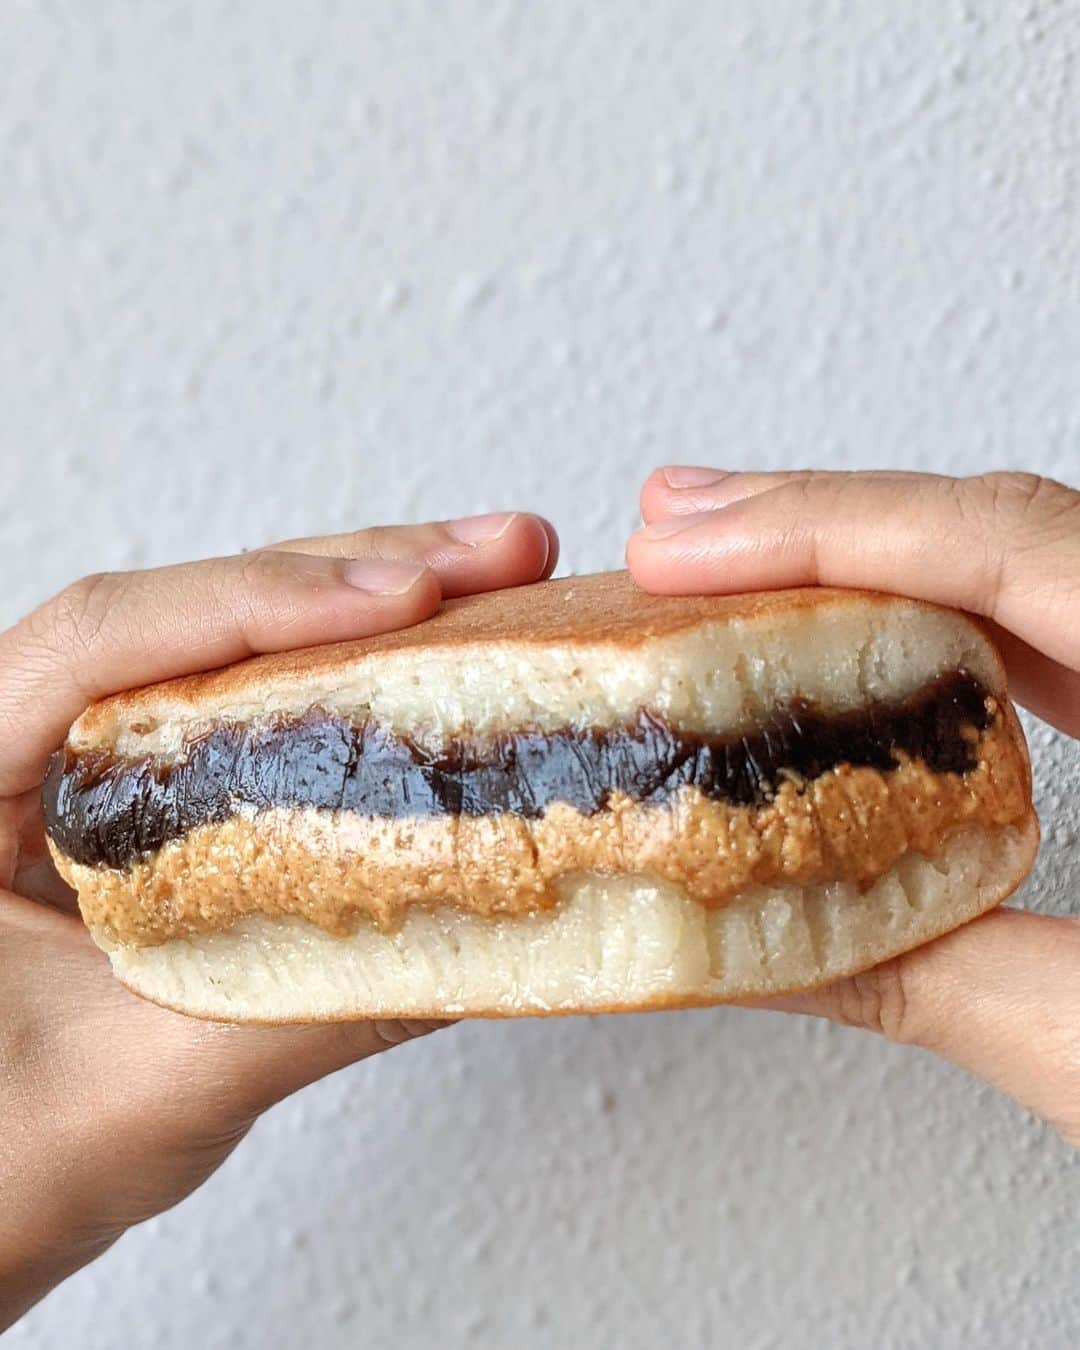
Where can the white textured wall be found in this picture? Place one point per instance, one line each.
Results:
(269, 268)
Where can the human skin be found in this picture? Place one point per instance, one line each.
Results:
(112, 1108)
(1000, 996)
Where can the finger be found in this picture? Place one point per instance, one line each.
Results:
(1006, 546)
(476, 553)
(999, 997)
(683, 490)
(26, 866)
(1045, 687)
(118, 630)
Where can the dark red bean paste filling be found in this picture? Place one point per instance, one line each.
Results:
(104, 809)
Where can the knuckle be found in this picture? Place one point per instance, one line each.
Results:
(803, 487)
(376, 536)
(246, 586)
(1013, 518)
(255, 580)
(380, 542)
(881, 1000)
(811, 497)
(250, 570)
(1024, 500)
(396, 543)
(74, 620)
(1031, 531)
(1012, 485)
(970, 501)
(397, 1031)
(267, 580)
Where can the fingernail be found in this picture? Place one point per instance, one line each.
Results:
(381, 577)
(688, 476)
(665, 529)
(474, 530)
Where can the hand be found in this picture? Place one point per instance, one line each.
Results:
(114, 1109)
(1001, 996)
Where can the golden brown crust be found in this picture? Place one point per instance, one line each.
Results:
(604, 608)
(329, 868)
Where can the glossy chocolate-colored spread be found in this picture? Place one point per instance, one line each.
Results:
(103, 809)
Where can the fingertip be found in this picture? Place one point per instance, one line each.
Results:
(650, 570)
(551, 561)
(535, 545)
(424, 598)
(524, 550)
(532, 546)
(654, 498)
(426, 594)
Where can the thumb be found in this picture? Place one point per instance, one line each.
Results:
(999, 997)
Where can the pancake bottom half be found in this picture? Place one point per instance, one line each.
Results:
(607, 944)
